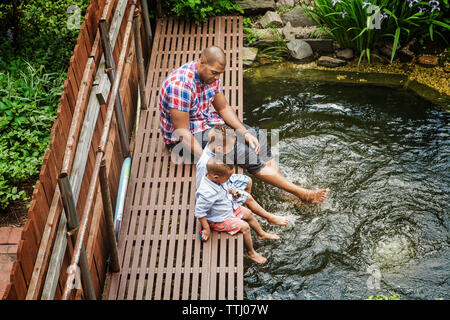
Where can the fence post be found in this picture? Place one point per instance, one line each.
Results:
(73, 224)
(139, 59)
(109, 216)
(110, 70)
(148, 27)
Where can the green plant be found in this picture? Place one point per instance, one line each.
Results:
(28, 100)
(275, 50)
(200, 10)
(393, 297)
(42, 35)
(361, 25)
(35, 31)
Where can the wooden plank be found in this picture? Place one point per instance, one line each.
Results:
(161, 254)
(49, 232)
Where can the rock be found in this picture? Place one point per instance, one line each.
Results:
(288, 32)
(298, 18)
(386, 49)
(345, 54)
(309, 32)
(329, 62)
(249, 55)
(271, 18)
(321, 45)
(300, 50)
(405, 55)
(428, 61)
(264, 34)
(285, 3)
(254, 6)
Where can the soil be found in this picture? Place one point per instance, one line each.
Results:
(16, 214)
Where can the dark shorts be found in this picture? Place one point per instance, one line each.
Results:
(242, 154)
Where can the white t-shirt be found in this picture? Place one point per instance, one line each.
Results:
(201, 165)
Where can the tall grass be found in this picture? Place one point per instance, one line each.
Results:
(361, 25)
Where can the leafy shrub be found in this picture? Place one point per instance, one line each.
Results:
(28, 100)
(361, 25)
(200, 10)
(35, 31)
(42, 36)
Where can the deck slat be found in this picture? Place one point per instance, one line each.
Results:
(160, 253)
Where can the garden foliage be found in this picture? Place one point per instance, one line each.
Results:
(363, 24)
(35, 49)
(199, 10)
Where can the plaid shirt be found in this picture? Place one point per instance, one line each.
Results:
(182, 90)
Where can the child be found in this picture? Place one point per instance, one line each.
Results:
(222, 139)
(215, 210)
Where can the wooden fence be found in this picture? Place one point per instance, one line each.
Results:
(29, 271)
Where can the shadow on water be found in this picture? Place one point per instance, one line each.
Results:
(384, 229)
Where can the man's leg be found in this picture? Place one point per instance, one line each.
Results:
(271, 173)
(265, 168)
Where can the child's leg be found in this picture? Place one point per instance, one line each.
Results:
(254, 224)
(256, 208)
(251, 253)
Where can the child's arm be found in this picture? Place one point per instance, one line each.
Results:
(205, 228)
(202, 206)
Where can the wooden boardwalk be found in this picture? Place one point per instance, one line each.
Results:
(160, 253)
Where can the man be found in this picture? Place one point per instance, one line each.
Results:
(184, 104)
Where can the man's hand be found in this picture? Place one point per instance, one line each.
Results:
(228, 114)
(180, 122)
(252, 142)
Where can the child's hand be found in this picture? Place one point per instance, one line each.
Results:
(205, 234)
(236, 194)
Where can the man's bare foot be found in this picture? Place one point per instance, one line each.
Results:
(278, 220)
(255, 256)
(317, 196)
(269, 236)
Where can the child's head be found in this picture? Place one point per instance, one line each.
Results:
(219, 171)
(222, 137)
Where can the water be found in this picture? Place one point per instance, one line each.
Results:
(384, 228)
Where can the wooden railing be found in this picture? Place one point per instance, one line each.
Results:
(85, 126)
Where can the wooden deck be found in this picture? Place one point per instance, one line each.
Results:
(160, 253)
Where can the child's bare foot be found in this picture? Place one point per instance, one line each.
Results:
(278, 220)
(266, 235)
(255, 256)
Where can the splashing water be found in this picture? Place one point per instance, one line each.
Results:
(385, 155)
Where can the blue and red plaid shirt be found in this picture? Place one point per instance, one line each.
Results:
(182, 90)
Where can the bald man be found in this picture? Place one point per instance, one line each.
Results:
(185, 116)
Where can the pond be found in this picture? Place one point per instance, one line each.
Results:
(384, 229)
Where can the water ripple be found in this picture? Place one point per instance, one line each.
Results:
(385, 155)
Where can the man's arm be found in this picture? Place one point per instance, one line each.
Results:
(227, 113)
(180, 120)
